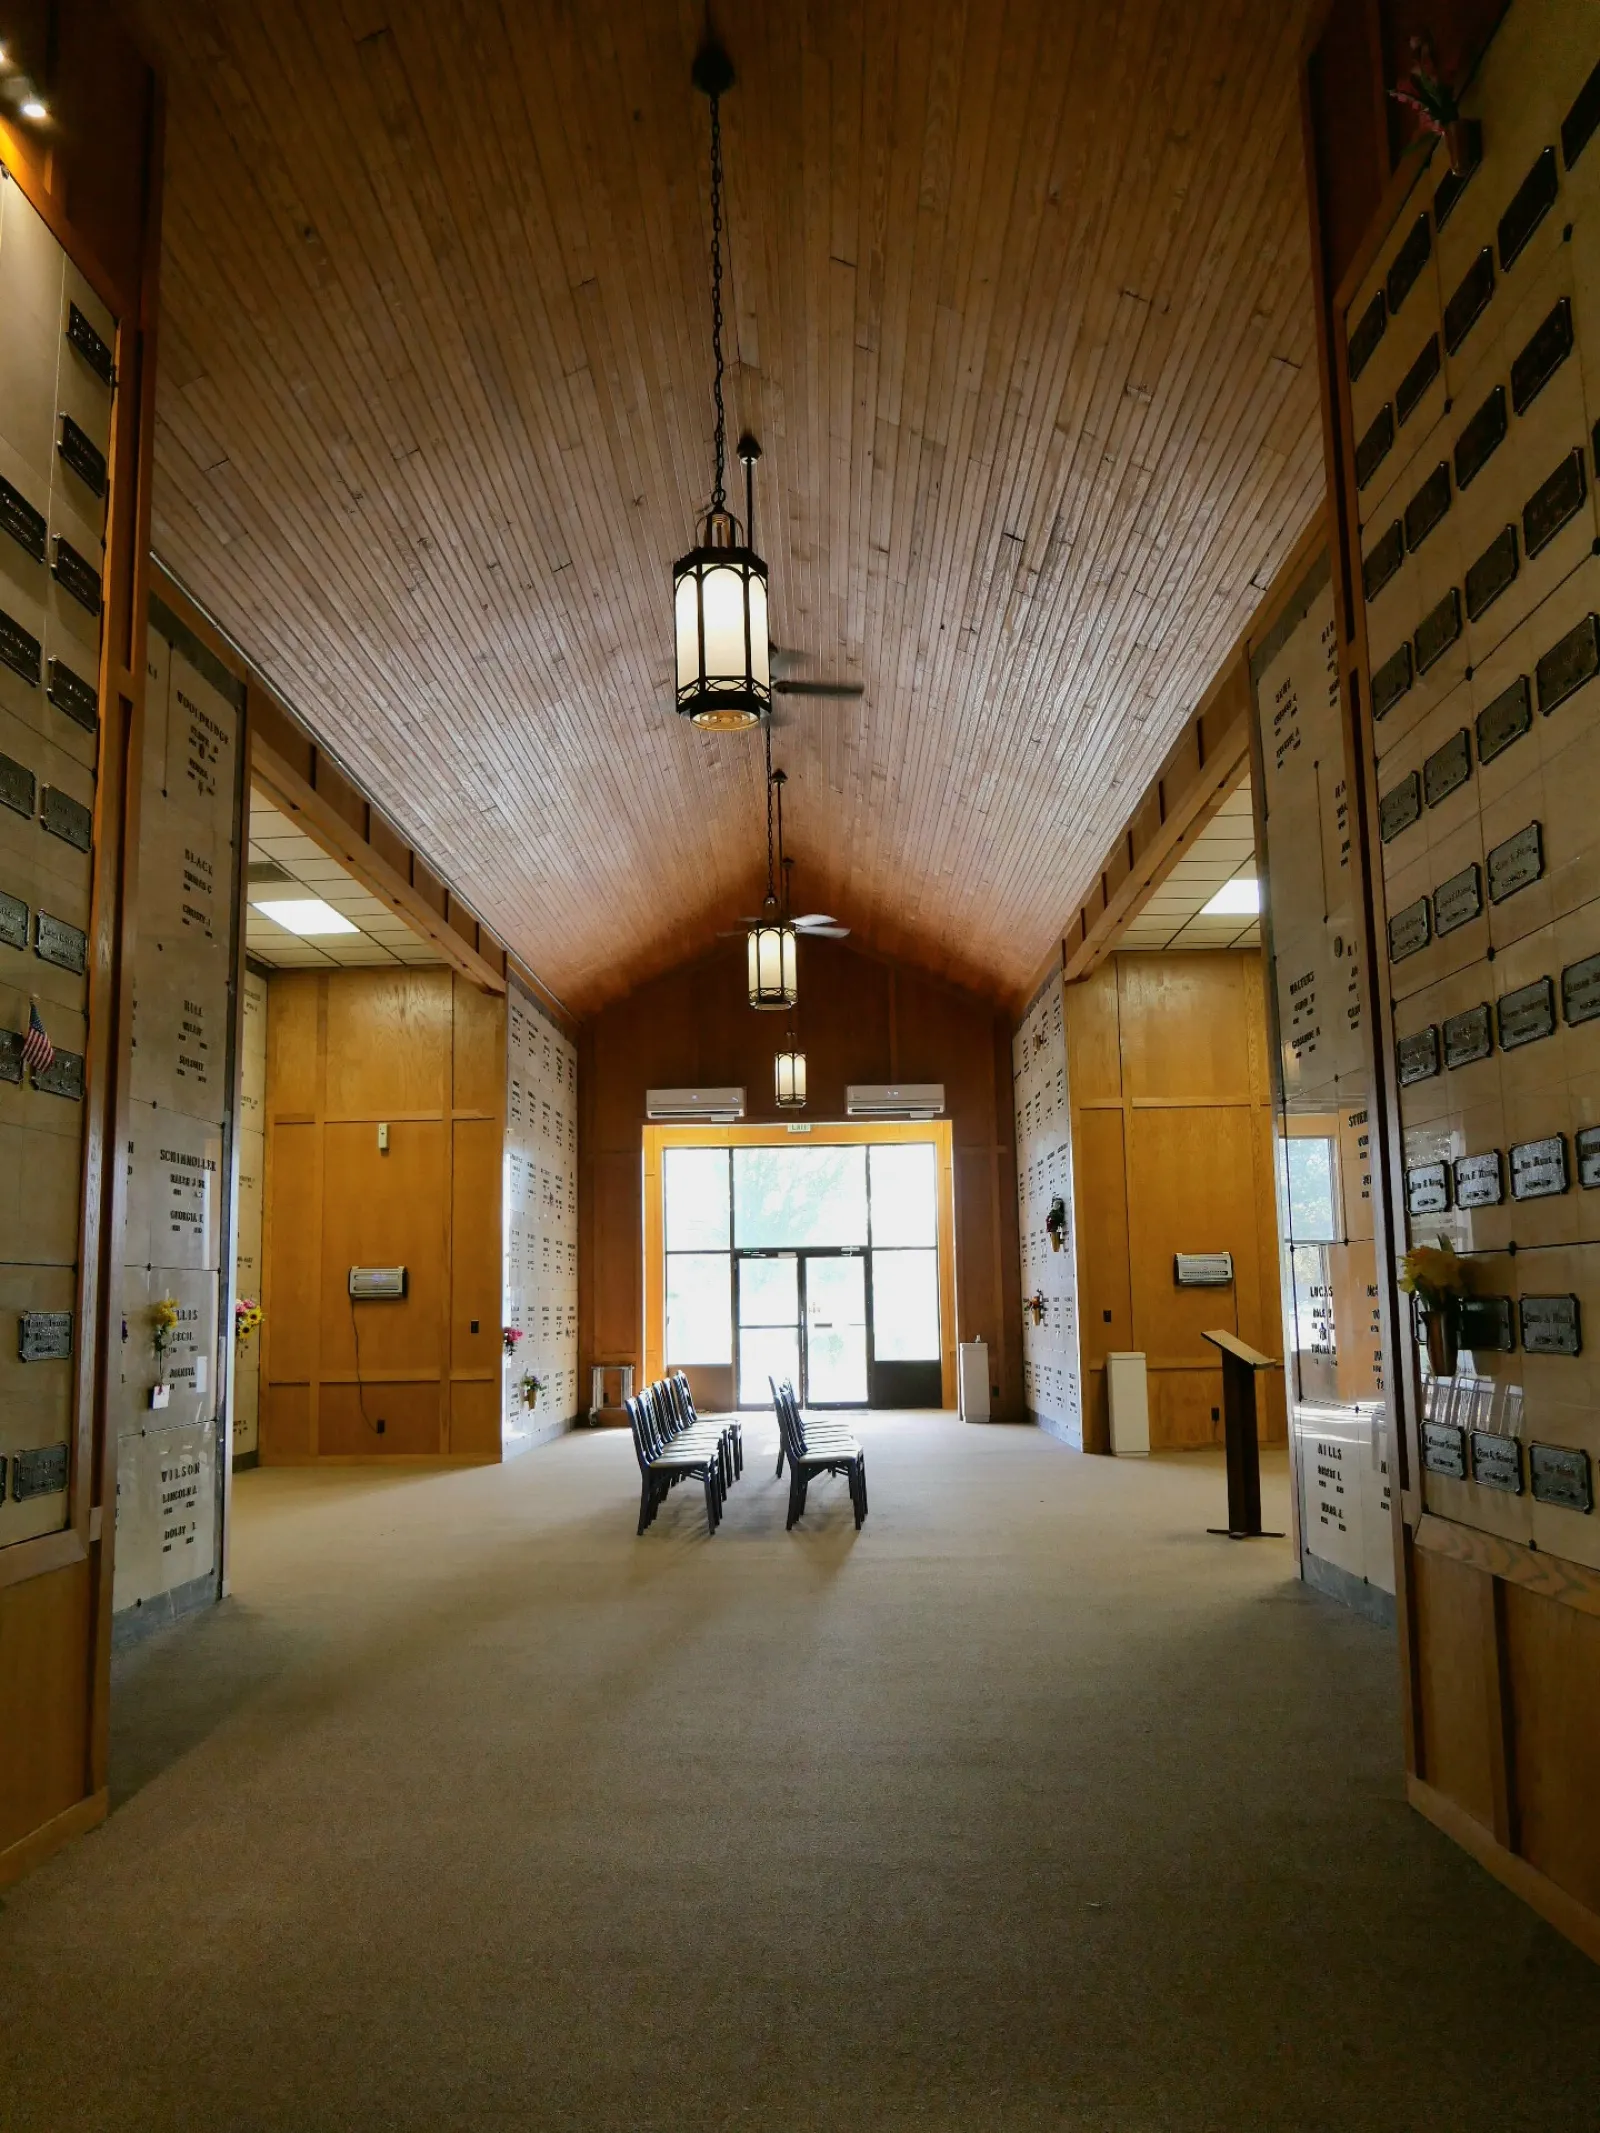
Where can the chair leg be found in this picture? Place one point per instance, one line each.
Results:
(645, 1505)
(780, 1455)
(796, 1498)
(713, 1512)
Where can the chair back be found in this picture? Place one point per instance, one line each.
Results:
(790, 1428)
(641, 1445)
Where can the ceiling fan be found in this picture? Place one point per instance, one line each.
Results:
(815, 925)
(786, 682)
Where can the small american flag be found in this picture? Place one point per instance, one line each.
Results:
(37, 1050)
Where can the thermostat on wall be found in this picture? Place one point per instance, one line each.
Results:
(1203, 1270)
(378, 1284)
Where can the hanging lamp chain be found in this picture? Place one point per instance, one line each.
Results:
(772, 891)
(719, 493)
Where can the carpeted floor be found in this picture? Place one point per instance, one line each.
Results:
(1031, 1806)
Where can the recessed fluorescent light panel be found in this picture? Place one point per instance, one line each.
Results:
(305, 915)
(1235, 899)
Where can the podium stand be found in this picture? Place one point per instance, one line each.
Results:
(1239, 1366)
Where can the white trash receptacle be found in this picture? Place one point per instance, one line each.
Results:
(972, 1374)
(1128, 1395)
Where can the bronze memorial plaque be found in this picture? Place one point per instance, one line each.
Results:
(1365, 335)
(1427, 507)
(1492, 573)
(26, 526)
(1480, 1179)
(1373, 449)
(10, 1055)
(1438, 630)
(80, 452)
(1577, 128)
(1381, 562)
(38, 1473)
(1458, 901)
(1456, 179)
(1526, 1015)
(89, 345)
(1442, 1450)
(44, 1336)
(1539, 1168)
(1486, 1323)
(1544, 355)
(1416, 1058)
(76, 575)
(1391, 681)
(1408, 263)
(1570, 662)
(1409, 930)
(66, 818)
(1550, 1325)
(62, 1077)
(1447, 768)
(1531, 202)
(1399, 807)
(1580, 990)
(1505, 720)
(1417, 380)
(1560, 1475)
(13, 921)
(1466, 1037)
(1586, 1146)
(1558, 497)
(78, 698)
(1481, 438)
(20, 651)
(54, 941)
(1516, 863)
(1468, 304)
(1496, 1462)
(18, 786)
(1428, 1189)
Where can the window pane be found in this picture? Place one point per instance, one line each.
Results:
(699, 1320)
(767, 1351)
(1308, 1164)
(905, 1306)
(695, 1181)
(769, 1292)
(905, 1202)
(791, 1196)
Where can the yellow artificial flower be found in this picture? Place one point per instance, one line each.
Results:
(1433, 1273)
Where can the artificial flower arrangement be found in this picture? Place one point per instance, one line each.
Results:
(1034, 1305)
(511, 1335)
(1056, 1223)
(531, 1389)
(163, 1331)
(1438, 1280)
(247, 1317)
(1426, 92)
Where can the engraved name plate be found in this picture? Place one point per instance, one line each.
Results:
(1516, 863)
(1427, 507)
(1400, 806)
(1542, 357)
(1490, 575)
(19, 651)
(1381, 562)
(1443, 1450)
(79, 699)
(1409, 930)
(1560, 1475)
(1438, 630)
(1569, 663)
(80, 452)
(1467, 306)
(1524, 1016)
(1559, 497)
(10, 1055)
(1417, 380)
(1391, 681)
(1577, 128)
(38, 1473)
(44, 1336)
(54, 941)
(1486, 1322)
(1504, 720)
(18, 788)
(1454, 182)
(1467, 1038)
(89, 345)
(66, 818)
(1481, 438)
(1539, 1169)
(1531, 202)
(1428, 1189)
(1586, 1147)
(76, 575)
(25, 525)
(1458, 901)
(1408, 263)
(1550, 1325)
(1580, 990)
(1496, 1462)
(1365, 335)
(1373, 449)
(1417, 1056)
(62, 1077)
(1480, 1179)
(1447, 768)
(13, 921)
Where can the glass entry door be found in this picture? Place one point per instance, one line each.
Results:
(835, 1290)
(769, 1325)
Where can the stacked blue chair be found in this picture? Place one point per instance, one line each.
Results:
(817, 1449)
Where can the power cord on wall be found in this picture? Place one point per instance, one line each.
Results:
(377, 1428)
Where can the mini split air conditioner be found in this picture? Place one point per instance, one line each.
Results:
(715, 1107)
(902, 1099)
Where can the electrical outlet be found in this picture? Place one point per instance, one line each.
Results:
(380, 1425)
(383, 1136)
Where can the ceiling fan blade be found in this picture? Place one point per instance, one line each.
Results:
(826, 933)
(817, 918)
(819, 688)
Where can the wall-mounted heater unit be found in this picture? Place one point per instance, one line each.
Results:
(378, 1284)
(687, 1107)
(902, 1099)
(1203, 1270)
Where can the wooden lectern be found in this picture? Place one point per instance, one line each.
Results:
(1239, 1367)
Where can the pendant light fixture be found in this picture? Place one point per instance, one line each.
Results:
(789, 1065)
(719, 589)
(770, 953)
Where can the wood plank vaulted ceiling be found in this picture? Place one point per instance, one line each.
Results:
(1020, 313)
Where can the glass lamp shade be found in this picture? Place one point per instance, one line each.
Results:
(719, 594)
(772, 965)
(790, 1075)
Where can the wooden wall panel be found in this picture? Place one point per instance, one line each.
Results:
(1094, 1039)
(388, 1045)
(477, 1154)
(1553, 1665)
(292, 1228)
(44, 1633)
(1459, 1746)
(385, 1210)
(1105, 1291)
(1186, 1027)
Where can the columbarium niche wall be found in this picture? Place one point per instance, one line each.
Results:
(541, 1239)
(171, 1406)
(56, 396)
(1051, 1378)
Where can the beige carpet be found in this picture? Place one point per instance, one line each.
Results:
(1031, 1806)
